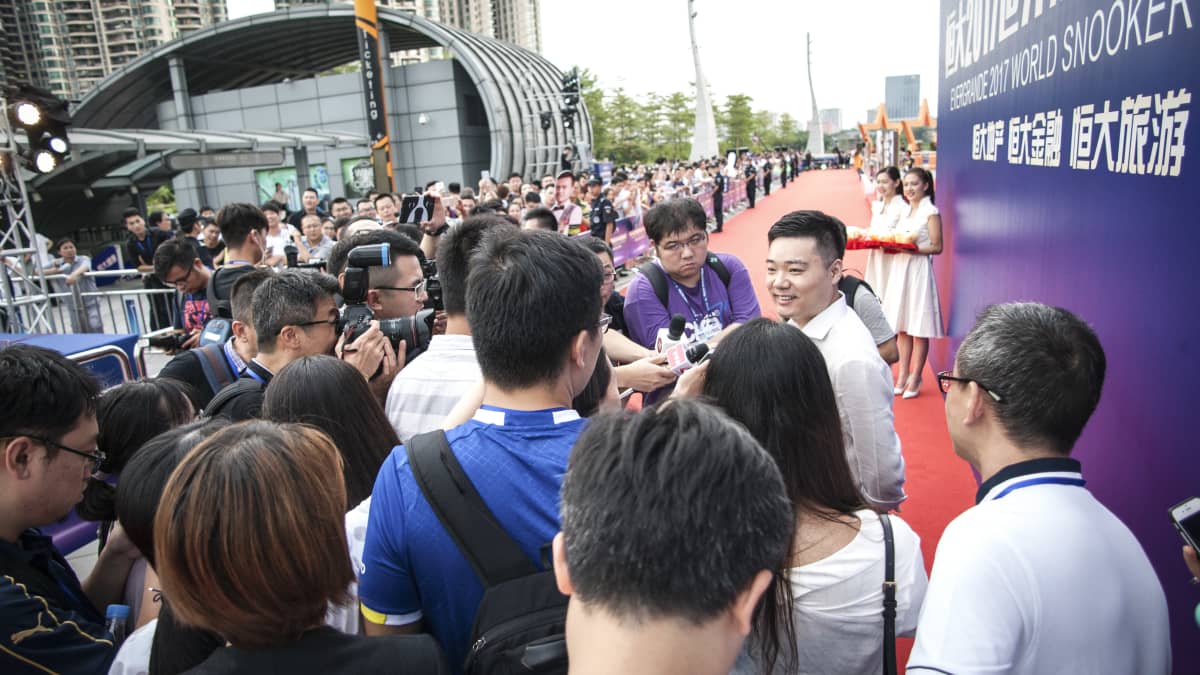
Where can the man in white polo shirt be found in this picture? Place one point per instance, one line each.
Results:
(804, 267)
(1038, 576)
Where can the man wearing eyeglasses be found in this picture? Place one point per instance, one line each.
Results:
(176, 264)
(295, 315)
(49, 621)
(1039, 576)
(713, 293)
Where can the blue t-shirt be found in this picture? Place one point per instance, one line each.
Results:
(412, 568)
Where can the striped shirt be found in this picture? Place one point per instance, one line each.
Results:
(425, 392)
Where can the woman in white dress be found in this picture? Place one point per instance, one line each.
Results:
(910, 299)
(886, 211)
(823, 613)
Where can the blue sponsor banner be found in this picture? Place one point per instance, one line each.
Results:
(106, 258)
(1063, 177)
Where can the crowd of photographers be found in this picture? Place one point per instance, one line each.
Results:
(394, 439)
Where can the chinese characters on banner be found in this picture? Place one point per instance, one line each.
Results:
(1143, 134)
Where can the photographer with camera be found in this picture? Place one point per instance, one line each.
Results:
(176, 264)
(427, 390)
(209, 368)
(296, 315)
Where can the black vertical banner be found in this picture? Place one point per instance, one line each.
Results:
(366, 22)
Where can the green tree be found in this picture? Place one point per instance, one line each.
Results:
(624, 117)
(785, 130)
(653, 126)
(593, 100)
(739, 121)
(162, 199)
(680, 117)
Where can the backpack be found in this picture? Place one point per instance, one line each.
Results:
(658, 278)
(216, 370)
(224, 396)
(520, 623)
(849, 286)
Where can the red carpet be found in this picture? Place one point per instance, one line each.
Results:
(940, 485)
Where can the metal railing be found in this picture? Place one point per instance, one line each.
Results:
(107, 352)
(123, 308)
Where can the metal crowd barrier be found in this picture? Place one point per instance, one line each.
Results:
(122, 308)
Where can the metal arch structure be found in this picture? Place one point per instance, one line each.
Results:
(514, 83)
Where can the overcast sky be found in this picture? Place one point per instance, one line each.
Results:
(746, 46)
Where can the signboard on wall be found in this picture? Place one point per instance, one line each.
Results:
(1063, 177)
(358, 177)
(276, 183)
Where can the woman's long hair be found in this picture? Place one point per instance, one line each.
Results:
(128, 415)
(772, 378)
(332, 396)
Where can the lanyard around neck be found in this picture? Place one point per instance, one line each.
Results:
(703, 294)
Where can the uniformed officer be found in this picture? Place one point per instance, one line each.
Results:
(767, 169)
(785, 169)
(720, 183)
(603, 215)
(751, 172)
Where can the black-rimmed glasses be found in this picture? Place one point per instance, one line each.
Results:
(944, 379)
(181, 280)
(603, 323)
(95, 457)
(332, 322)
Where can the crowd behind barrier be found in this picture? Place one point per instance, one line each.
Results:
(459, 523)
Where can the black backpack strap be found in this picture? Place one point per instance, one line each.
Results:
(889, 597)
(657, 279)
(719, 267)
(849, 287)
(213, 363)
(493, 553)
(220, 306)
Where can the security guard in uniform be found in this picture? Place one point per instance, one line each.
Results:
(603, 215)
(768, 168)
(785, 167)
(720, 184)
(751, 180)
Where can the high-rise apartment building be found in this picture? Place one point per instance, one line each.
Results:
(515, 21)
(902, 96)
(67, 46)
(831, 120)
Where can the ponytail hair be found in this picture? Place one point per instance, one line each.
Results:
(129, 415)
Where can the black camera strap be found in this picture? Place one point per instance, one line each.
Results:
(889, 596)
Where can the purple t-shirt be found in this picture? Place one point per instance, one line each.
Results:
(645, 315)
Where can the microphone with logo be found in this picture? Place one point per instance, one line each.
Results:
(672, 335)
(681, 357)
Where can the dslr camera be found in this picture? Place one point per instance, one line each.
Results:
(415, 331)
(433, 286)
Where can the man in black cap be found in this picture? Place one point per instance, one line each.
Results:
(603, 213)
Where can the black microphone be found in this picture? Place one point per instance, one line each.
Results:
(679, 360)
(672, 335)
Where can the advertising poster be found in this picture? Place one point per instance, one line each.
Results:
(358, 177)
(1063, 177)
(276, 183)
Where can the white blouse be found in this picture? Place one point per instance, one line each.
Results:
(885, 216)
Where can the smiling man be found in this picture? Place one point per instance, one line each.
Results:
(49, 622)
(803, 269)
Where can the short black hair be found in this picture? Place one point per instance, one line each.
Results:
(515, 174)
(829, 232)
(453, 188)
(270, 205)
(529, 294)
(454, 257)
(312, 190)
(1046, 365)
(638, 546)
(130, 213)
(241, 295)
(401, 245)
(155, 217)
(674, 216)
(381, 196)
(45, 393)
(363, 201)
(237, 220)
(339, 200)
(284, 300)
(173, 253)
(532, 198)
(597, 245)
(544, 217)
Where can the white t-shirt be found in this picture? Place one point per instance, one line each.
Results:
(838, 602)
(345, 617)
(133, 658)
(1040, 577)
